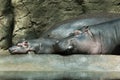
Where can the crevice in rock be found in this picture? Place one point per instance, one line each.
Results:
(26, 8)
(83, 8)
(12, 24)
(28, 11)
(20, 29)
(24, 16)
(8, 27)
(81, 2)
(118, 4)
(32, 23)
(3, 38)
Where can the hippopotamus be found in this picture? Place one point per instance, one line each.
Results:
(55, 34)
(101, 38)
(37, 46)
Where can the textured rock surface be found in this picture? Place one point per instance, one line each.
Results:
(29, 18)
(6, 21)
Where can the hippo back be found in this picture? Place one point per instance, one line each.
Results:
(63, 29)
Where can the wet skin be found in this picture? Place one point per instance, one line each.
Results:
(63, 30)
(96, 39)
(38, 46)
(49, 44)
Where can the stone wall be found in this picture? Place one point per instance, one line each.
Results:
(6, 23)
(21, 19)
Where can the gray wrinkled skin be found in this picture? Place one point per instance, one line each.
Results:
(105, 37)
(61, 31)
(46, 44)
(82, 44)
(38, 46)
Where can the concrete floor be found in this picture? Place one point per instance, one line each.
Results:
(83, 67)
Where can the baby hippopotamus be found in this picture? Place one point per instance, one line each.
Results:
(38, 46)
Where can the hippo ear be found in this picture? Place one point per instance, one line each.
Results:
(25, 44)
(77, 32)
(87, 30)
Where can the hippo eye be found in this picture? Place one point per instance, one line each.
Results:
(25, 44)
(57, 41)
(48, 35)
(77, 32)
(19, 45)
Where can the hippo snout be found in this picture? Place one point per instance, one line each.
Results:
(10, 50)
(17, 50)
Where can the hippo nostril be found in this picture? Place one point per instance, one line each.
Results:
(10, 50)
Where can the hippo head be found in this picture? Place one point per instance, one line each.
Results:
(84, 42)
(39, 46)
(21, 48)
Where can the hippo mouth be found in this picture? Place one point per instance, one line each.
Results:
(15, 51)
(67, 51)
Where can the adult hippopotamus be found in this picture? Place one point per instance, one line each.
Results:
(95, 39)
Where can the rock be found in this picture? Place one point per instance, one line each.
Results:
(6, 24)
(111, 6)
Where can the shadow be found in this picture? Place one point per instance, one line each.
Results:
(56, 75)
